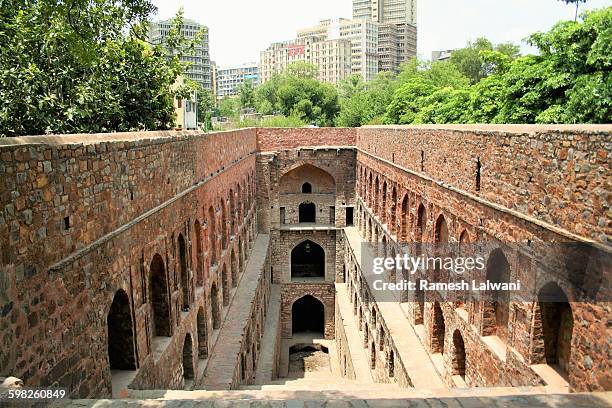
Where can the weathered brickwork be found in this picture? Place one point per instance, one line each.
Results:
(292, 292)
(401, 206)
(128, 251)
(61, 276)
(556, 174)
(282, 139)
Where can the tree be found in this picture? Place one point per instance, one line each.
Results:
(297, 93)
(418, 81)
(246, 94)
(229, 107)
(363, 104)
(80, 66)
(469, 60)
(206, 105)
(569, 82)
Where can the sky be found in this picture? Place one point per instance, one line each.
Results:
(240, 29)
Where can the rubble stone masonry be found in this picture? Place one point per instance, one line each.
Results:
(136, 243)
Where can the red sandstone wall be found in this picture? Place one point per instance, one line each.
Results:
(560, 175)
(269, 139)
(60, 312)
(99, 186)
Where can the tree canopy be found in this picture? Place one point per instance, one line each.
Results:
(81, 66)
(297, 93)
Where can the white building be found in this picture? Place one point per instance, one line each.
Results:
(228, 78)
(363, 36)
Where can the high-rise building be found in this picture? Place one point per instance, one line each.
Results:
(200, 67)
(386, 11)
(397, 30)
(278, 56)
(331, 56)
(363, 37)
(228, 78)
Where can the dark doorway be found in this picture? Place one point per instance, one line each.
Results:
(557, 326)
(349, 216)
(184, 271)
(308, 212)
(187, 358)
(459, 355)
(307, 261)
(214, 303)
(159, 289)
(308, 315)
(439, 329)
(120, 334)
(306, 188)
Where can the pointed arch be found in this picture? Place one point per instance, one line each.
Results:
(159, 296)
(497, 308)
(184, 271)
(212, 236)
(197, 238)
(120, 333)
(308, 315)
(214, 303)
(307, 260)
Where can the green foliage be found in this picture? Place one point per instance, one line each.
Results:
(246, 94)
(471, 62)
(81, 66)
(206, 105)
(365, 103)
(273, 122)
(419, 82)
(296, 93)
(568, 82)
(229, 107)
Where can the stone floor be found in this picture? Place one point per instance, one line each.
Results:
(306, 399)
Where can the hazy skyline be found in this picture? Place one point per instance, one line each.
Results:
(240, 29)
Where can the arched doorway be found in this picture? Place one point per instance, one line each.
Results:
(225, 285)
(307, 212)
(188, 372)
(159, 297)
(184, 271)
(497, 308)
(202, 334)
(212, 236)
(234, 265)
(197, 236)
(120, 334)
(214, 303)
(438, 329)
(307, 261)
(308, 315)
(458, 363)
(557, 326)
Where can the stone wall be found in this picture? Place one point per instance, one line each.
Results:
(392, 195)
(82, 221)
(271, 139)
(323, 292)
(342, 349)
(556, 174)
